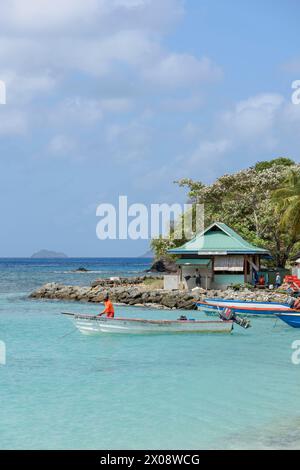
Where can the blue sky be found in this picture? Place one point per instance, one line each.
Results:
(113, 97)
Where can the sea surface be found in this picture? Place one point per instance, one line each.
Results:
(63, 390)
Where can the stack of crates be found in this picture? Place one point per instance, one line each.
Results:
(293, 281)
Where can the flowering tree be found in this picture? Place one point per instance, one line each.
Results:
(244, 201)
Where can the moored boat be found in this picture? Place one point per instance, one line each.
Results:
(243, 307)
(90, 325)
(292, 318)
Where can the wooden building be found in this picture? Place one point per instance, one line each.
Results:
(217, 258)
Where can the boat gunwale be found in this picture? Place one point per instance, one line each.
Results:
(217, 299)
(155, 322)
(285, 308)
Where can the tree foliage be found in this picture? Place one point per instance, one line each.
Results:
(264, 165)
(245, 201)
(287, 198)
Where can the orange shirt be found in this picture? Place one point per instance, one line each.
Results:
(109, 309)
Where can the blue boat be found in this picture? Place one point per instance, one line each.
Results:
(244, 307)
(292, 319)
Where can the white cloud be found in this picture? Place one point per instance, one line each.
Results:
(22, 88)
(76, 110)
(253, 117)
(128, 142)
(12, 121)
(45, 42)
(61, 146)
(191, 131)
(177, 70)
(83, 112)
(95, 35)
(115, 105)
(255, 128)
(291, 115)
(77, 16)
(209, 150)
(92, 54)
(184, 104)
(36, 15)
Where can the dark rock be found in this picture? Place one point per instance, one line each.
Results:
(164, 265)
(169, 301)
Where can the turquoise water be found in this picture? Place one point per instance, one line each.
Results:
(63, 390)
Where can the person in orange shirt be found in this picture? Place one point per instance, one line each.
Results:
(109, 310)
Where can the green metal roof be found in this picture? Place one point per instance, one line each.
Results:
(194, 261)
(218, 239)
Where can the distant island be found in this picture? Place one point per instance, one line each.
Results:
(42, 254)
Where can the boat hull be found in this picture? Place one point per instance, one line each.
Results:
(240, 307)
(89, 325)
(292, 319)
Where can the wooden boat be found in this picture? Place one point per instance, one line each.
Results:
(292, 318)
(243, 307)
(90, 325)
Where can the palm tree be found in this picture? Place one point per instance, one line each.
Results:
(287, 199)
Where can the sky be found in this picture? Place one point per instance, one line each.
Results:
(123, 97)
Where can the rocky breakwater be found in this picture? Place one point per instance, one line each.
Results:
(132, 295)
(143, 295)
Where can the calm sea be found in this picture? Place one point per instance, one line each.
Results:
(62, 390)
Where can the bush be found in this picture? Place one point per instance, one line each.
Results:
(264, 165)
(237, 287)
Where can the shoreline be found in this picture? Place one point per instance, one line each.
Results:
(143, 292)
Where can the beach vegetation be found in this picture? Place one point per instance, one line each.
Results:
(154, 283)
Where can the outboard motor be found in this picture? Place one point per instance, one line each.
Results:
(228, 314)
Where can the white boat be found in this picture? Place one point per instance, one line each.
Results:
(91, 325)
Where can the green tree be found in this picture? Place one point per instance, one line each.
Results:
(287, 199)
(284, 161)
(244, 200)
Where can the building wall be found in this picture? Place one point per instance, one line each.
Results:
(205, 273)
(222, 281)
(296, 271)
(220, 273)
(171, 281)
